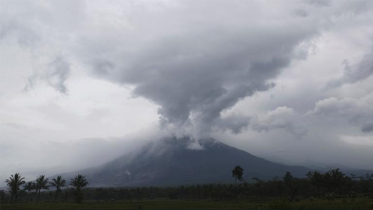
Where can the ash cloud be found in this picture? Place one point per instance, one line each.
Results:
(196, 89)
(195, 68)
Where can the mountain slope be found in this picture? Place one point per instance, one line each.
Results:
(171, 162)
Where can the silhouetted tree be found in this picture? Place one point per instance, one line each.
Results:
(335, 179)
(41, 183)
(237, 173)
(29, 186)
(58, 183)
(2, 196)
(317, 180)
(289, 183)
(78, 183)
(14, 182)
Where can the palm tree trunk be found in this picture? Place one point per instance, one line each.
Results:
(37, 200)
(55, 197)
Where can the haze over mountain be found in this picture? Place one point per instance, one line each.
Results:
(173, 162)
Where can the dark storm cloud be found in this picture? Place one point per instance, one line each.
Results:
(367, 127)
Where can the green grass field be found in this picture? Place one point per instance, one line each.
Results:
(360, 203)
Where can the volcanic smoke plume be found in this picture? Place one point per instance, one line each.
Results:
(196, 63)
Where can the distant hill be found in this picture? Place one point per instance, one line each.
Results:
(348, 171)
(172, 162)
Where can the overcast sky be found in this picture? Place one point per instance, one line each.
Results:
(83, 82)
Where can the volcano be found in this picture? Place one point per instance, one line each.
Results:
(183, 161)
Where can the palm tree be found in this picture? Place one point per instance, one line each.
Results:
(78, 183)
(58, 183)
(14, 182)
(289, 182)
(335, 179)
(35, 187)
(237, 173)
(317, 180)
(41, 183)
(28, 187)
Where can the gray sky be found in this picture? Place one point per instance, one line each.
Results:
(83, 82)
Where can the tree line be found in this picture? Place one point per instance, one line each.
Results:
(40, 185)
(330, 185)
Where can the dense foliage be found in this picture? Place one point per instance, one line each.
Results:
(330, 185)
(316, 185)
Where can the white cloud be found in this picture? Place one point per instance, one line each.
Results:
(358, 140)
(356, 111)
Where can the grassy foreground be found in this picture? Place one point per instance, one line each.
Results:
(360, 203)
